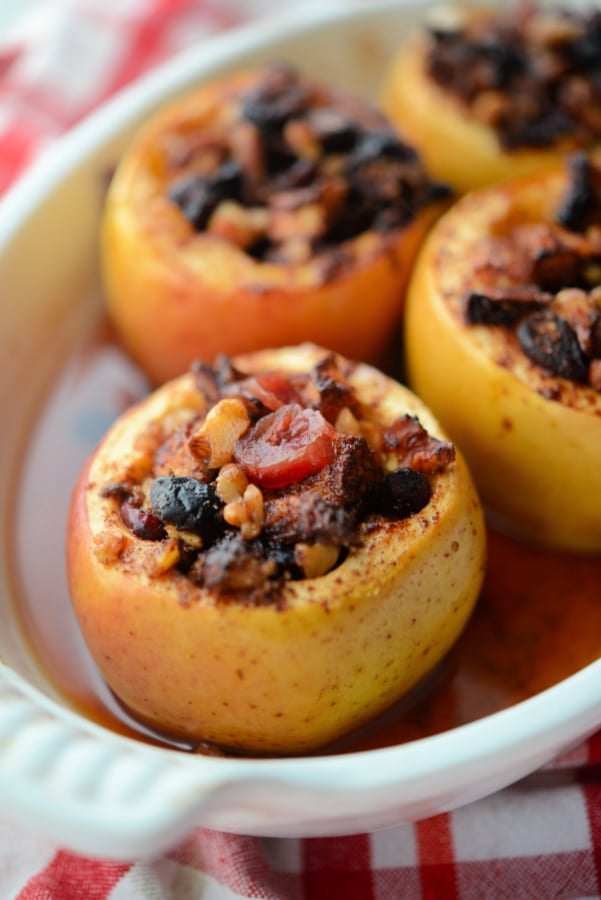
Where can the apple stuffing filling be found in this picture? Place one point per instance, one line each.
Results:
(288, 170)
(272, 477)
(531, 74)
(543, 281)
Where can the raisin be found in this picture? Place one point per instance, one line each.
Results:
(551, 343)
(279, 97)
(378, 145)
(585, 50)
(283, 556)
(554, 269)
(403, 493)
(122, 490)
(188, 504)
(487, 309)
(579, 197)
(143, 524)
(197, 196)
(336, 132)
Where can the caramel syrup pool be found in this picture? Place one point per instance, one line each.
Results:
(538, 619)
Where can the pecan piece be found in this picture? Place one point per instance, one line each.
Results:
(412, 446)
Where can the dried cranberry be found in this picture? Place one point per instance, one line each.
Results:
(403, 493)
(188, 504)
(145, 525)
(286, 446)
(551, 343)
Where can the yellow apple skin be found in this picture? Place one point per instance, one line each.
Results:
(456, 148)
(211, 297)
(293, 676)
(535, 461)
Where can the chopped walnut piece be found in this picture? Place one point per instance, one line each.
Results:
(165, 557)
(241, 226)
(299, 135)
(316, 559)
(303, 222)
(411, 445)
(108, 546)
(574, 306)
(246, 513)
(346, 423)
(216, 438)
(231, 483)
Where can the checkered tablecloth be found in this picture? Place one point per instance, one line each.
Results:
(540, 838)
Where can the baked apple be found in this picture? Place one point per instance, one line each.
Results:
(261, 210)
(268, 551)
(489, 94)
(503, 342)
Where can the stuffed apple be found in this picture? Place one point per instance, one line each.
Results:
(261, 210)
(503, 342)
(487, 94)
(268, 551)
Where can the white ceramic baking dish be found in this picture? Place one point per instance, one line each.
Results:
(62, 774)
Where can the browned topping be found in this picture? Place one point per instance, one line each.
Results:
(284, 496)
(551, 283)
(532, 74)
(300, 171)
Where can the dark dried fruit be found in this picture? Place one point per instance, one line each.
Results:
(284, 557)
(143, 524)
(379, 145)
(551, 343)
(404, 492)
(198, 196)
(579, 197)
(279, 97)
(188, 504)
(336, 132)
(504, 307)
(559, 267)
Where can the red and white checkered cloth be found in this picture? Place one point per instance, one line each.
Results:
(539, 839)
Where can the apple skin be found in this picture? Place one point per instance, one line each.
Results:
(210, 296)
(535, 461)
(280, 678)
(455, 147)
